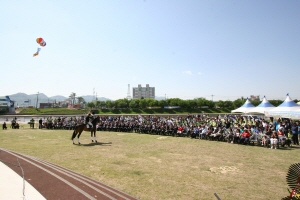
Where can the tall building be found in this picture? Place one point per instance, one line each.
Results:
(128, 93)
(143, 92)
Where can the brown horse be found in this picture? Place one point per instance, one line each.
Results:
(82, 127)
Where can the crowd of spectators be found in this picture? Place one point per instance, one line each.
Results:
(231, 128)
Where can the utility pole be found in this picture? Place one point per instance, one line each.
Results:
(37, 99)
(93, 94)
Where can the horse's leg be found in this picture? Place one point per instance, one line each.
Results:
(95, 136)
(92, 135)
(79, 137)
(74, 135)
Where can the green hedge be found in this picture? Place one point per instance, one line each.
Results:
(65, 111)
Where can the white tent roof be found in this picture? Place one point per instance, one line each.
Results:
(262, 107)
(247, 106)
(287, 105)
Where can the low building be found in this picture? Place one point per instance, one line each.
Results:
(46, 105)
(6, 105)
(253, 98)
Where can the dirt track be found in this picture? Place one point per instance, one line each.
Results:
(55, 182)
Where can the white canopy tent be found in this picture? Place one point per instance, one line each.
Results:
(245, 107)
(264, 106)
(288, 109)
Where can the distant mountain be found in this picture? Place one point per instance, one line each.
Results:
(90, 98)
(22, 99)
(58, 98)
(160, 98)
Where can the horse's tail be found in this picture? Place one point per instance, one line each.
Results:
(74, 134)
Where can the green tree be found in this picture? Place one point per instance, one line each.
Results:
(228, 104)
(110, 104)
(73, 98)
(143, 103)
(276, 102)
(81, 100)
(150, 102)
(238, 103)
(134, 103)
(191, 103)
(201, 102)
(121, 103)
(100, 104)
(220, 104)
(182, 103)
(162, 103)
(91, 105)
(174, 101)
(255, 102)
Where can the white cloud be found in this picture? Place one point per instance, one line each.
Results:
(199, 73)
(188, 72)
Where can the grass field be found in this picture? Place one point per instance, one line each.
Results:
(159, 167)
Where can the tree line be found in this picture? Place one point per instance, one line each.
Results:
(192, 103)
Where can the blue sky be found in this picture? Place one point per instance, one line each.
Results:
(185, 49)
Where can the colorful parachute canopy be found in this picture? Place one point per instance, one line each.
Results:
(41, 41)
(37, 52)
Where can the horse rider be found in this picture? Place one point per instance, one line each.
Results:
(88, 120)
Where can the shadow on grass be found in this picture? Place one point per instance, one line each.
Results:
(285, 149)
(95, 144)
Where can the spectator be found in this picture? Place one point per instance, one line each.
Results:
(4, 127)
(227, 124)
(280, 134)
(274, 140)
(295, 130)
(264, 140)
(202, 131)
(289, 138)
(298, 133)
(195, 132)
(32, 123)
(179, 130)
(40, 123)
(236, 135)
(245, 137)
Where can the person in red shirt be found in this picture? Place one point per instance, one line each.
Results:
(179, 130)
(245, 137)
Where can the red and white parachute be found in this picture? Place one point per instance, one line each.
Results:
(41, 41)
